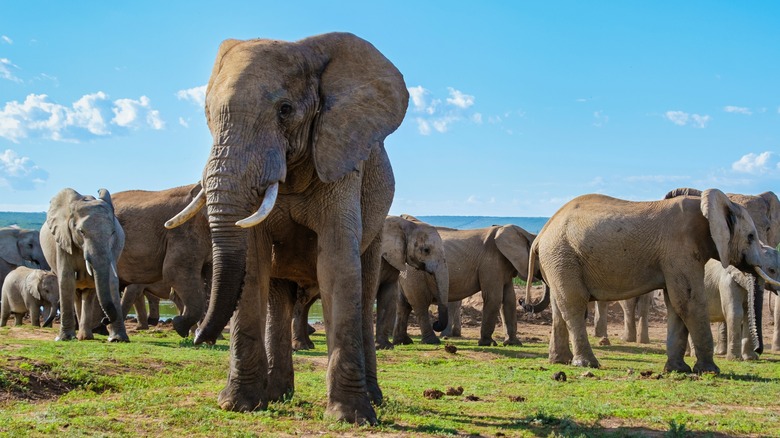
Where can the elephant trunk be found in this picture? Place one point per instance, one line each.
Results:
(541, 305)
(755, 312)
(55, 307)
(104, 277)
(442, 275)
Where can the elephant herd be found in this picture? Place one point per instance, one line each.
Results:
(292, 205)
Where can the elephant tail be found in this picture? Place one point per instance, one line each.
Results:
(526, 303)
(686, 191)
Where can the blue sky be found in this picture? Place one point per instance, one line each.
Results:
(517, 107)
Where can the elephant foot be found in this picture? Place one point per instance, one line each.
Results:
(84, 336)
(66, 336)
(375, 394)
(604, 341)
(702, 367)
(119, 338)
(242, 398)
(489, 342)
(431, 340)
(628, 338)
(153, 321)
(512, 341)
(383, 344)
(181, 326)
(356, 411)
(298, 345)
(280, 391)
(677, 366)
(644, 339)
(720, 351)
(750, 356)
(142, 327)
(402, 340)
(564, 358)
(450, 333)
(100, 330)
(584, 361)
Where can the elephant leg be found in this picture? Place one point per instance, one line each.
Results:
(85, 303)
(116, 329)
(300, 325)
(19, 318)
(140, 313)
(733, 326)
(281, 299)
(370, 263)
(190, 288)
(559, 351)
(453, 329)
(643, 305)
(676, 340)
(35, 315)
(342, 292)
(153, 318)
(509, 315)
(248, 373)
(600, 319)
(403, 310)
(386, 298)
(629, 319)
(776, 320)
(721, 347)
(427, 335)
(5, 312)
(492, 298)
(573, 313)
(68, 301)
(130, 297)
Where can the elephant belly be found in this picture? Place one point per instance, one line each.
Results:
(613, 287)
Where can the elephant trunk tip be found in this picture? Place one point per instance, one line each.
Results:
(206, 335)
(111, 313)
(441, 323)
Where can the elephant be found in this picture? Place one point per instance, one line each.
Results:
(483, 259)
(297, 187)
(764, 209)
(20, 247)
(635, 310)
(180, 258)
(597, 247)
(138, 294)
(406, 242)
(82, 241)
(27, 289)
(731, 297)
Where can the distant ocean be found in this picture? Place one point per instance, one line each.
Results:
(531, 224)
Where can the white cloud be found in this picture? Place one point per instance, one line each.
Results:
(20, 173)
(459, 99)
(682, 118)
(6, 39)
(737, 109)
(442, 124)
(5, 70)
(89, 117)
(196, 95)
(418, 97)
(183, 122)
(600, 119)
(752, 163)
(477, 118)
(423, 126)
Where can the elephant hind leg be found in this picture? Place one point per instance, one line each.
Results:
(676, 340)
(559, 351)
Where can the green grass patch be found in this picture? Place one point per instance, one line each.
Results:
(159, 384)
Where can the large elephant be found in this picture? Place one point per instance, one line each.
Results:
(483, 259)
(730, 300)
(27, 289)
(601, 248)
(297, 188)
(82, 241)
(179, 258)
(764, 209)
(20, 247)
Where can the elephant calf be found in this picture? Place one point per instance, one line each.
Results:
(26, 289)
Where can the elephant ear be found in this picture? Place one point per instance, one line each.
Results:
(363, 99)
(721, 215)
(105, 196)
(224, 48)
(409, 217)
(9, 249)
(59, 216)
(394, 242)
(514, 243)
(774, 217)
(33, 283)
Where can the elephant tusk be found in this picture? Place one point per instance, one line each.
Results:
(89, 269)
(265, 208)
(113, 269)
(197, 203)
(766, 278)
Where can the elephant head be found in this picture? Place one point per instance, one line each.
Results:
(408, 241)
(22, 247)
(45, 287)
(284, 114)
(85, 227)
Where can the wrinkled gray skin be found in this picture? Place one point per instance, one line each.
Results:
(406, 242)
(20, 247)
(730, 300)
(484, 259)
(601, 248)
(764, 209)
(82, 241)
(27, 289)
(179, 258)
(310, 119)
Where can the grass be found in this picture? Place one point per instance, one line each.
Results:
(160, 384)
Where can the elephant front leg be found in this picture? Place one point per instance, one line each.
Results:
(509, 314)
(453, 329)
(281, 299)
(776, 320)
(86, 301)
(644, 304)
(386, 298)
(600, 319)
(141, 315)
(400, 333)
(629, 319)
(370, 263)
(67, 284)
(339, 277)
(300, 324)
(35, 315)
(246, 388)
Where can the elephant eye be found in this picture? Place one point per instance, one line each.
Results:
(285, 110)
(751, 238)
(427, 250)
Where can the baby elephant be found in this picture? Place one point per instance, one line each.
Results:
(28, 289)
